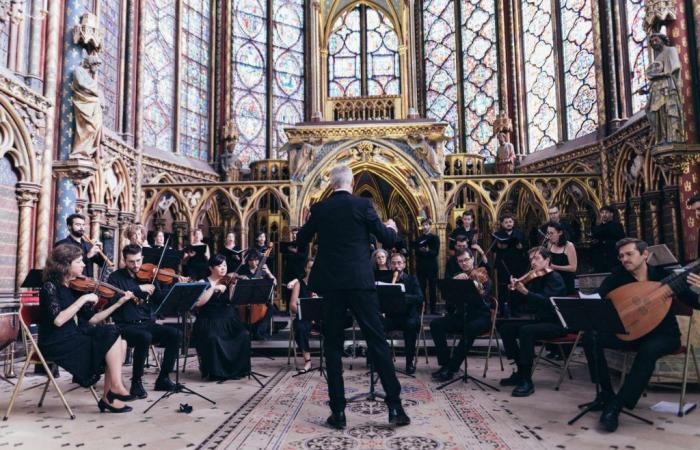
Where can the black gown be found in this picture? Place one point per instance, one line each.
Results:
(561, 259)
(80, 350)
(223, 343)
(196, 266)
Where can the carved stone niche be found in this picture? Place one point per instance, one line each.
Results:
(88, 34)
(80, 171)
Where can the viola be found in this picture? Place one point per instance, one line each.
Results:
(531, 275)
(148, 272)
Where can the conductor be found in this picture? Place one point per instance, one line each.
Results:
(343, 276)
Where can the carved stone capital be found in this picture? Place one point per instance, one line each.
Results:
(27, 194)
(78, 170)
(97, 211)
(125, 218)
(676, 158)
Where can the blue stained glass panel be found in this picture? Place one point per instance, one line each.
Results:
(637, 53)
(110, 20)
(344, 77)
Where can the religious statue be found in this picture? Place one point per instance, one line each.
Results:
(505, 155)
(300, 158)
(230, 165)
(87, 108)
(634, 168)
(432, 156)
(664, 108)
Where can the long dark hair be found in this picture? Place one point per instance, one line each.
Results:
(58, 263)
(563, 239)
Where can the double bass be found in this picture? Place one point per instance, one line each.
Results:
(256, 313)
(644, 304)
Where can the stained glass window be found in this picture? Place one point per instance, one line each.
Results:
(249, 65)
(441, 66)
(159, 73)
(382, 55)
(344, 65)
(480, 72)
(579, 69)
(288, 57)
(540, 74)
(194, 88)
(110, 20)
(636, 51)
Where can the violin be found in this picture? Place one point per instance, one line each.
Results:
(480, 276)
(531, 275)
(102, 289)
(227, 280)
(148, 272)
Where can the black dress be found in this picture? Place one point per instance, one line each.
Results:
(302, 328)
(222, 342)
(79, 350)
(560, 259)
(196, 267)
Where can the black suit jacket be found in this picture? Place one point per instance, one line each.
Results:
(343, 223)
(85, 247)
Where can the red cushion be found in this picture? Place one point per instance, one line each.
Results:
(568, 339)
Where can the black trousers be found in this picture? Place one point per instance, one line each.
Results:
(365, 307)
(141, 336)
(454, 323)
(409, 325)
(428, 279)
(649, 349)
(519, 340)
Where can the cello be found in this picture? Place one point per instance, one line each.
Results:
(644, 304)
(255, 313)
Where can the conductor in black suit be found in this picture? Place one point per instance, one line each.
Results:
(343, 276)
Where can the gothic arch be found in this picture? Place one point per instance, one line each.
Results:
(16, 143)
(254, 203)
(388, 161)
(177, 206)
(337, 10)
(489, 206)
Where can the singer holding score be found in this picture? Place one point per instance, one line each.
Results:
(343, 223)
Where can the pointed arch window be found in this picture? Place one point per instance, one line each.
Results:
(363, 55)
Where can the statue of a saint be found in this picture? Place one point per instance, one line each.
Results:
(230, 165)
(505, 155)
(665, 108)
(300, 158)
(87, 108)
(433, 156)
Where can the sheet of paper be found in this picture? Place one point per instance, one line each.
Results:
(595, 295)
(672, 407)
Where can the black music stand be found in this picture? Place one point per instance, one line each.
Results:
(247, 293)
(457, 293)
(170, 258)
(33, 280)
(179, 301)
(311, 309)
(591, 316)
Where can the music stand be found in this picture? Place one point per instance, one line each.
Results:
(33, 280)
(591, 316)
(171, 258)
(247, 293)
(311, 309)
(458, 293)
(179, 301)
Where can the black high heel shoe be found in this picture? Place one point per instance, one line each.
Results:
(103, 405)
(111, 396)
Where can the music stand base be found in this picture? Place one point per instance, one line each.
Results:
(590, 406)
(179, 389)
(465, 378)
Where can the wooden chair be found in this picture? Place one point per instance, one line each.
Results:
(29, 313)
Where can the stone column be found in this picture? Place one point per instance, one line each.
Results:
(315, 66)
(43, 218)
(441, 232)
(215, 239)
(16, 38)
(582, 216)
(671, 215)
(159, 224)
(35, 45)
(180, 230)
(652, 220)
(27, 196)
(138, 130)
(124, 219)
(636, 205)
(130, 59)
(96, 212)
(412, 83)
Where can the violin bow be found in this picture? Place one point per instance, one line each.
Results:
(160, 261)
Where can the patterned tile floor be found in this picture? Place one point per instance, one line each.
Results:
(541, 418)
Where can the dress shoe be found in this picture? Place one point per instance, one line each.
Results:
(444, 374)
(410, 369)
(337, 420)
(164, 384)
(111, 396)
(104, 406)
(611, 415)
(524, 389)
(513, 380)
(137, 389)
(398, 417)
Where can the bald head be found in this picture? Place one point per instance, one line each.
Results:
(341, 178)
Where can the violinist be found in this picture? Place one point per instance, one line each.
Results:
(85, 352)
(662, 340)
(452, 267)
(427, 248)
(92, 254)
(223, 343)
(519, 338)
(476, 317)
(138, 326)
(250, 271)
(410, 321)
